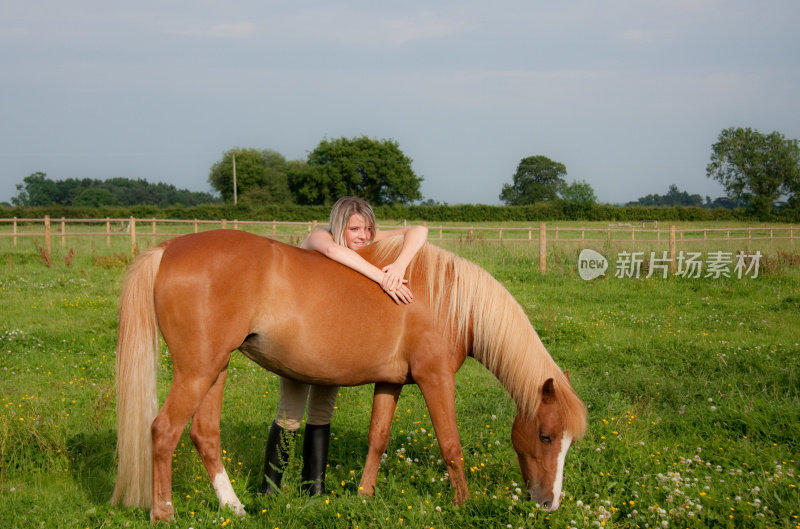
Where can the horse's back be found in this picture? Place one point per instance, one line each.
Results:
(292, 311)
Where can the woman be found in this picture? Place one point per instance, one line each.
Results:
(351, 227)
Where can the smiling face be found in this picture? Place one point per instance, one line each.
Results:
(358, 233)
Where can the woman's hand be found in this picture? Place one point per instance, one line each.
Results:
(393, 275)
(402, 294)
(394, 284)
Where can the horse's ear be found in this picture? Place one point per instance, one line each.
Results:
(548, 391)
(566, 374)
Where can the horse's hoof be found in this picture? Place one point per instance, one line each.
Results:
(366, 491)
(163, 514)
(236, 508)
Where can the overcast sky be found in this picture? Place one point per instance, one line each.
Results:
(628, 94)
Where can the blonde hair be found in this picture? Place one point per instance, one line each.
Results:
(483, 313)
(341, 212)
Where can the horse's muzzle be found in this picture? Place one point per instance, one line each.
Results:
(545, 502)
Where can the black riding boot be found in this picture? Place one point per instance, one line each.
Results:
(275, 457)
(315, 458)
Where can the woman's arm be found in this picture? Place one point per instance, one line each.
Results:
(414, 238)
(322, 242)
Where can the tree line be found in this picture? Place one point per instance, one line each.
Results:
(38, 190)
(760, 173)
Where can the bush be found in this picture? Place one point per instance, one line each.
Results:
(540, 212)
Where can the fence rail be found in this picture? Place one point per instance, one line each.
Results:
(155, 230)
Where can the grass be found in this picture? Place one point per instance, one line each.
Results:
(693, 389)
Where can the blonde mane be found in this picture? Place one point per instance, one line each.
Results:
(486, 315)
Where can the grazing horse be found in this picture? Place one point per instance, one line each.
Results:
(214, 292)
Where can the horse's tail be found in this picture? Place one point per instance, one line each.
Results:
(137, 401)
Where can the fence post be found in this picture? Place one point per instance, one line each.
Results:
(47, 246)
(15, 232)
(63, 232)
(673, 262)
(154, 230)
(108, 231)
(134, 248)
(224, 223)
(235, 224)
(542, 248)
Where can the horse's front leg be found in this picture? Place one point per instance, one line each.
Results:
(206, 438)
(439, 392)
(384, 403)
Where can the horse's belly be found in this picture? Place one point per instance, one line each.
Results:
(326, 363)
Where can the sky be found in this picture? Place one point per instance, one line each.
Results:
(629, 95)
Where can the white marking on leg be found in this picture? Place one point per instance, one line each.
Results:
(566, 442)
(225, 494)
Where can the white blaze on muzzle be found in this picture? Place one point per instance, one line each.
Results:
(566, 442)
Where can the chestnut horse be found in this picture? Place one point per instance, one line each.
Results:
(303, 316)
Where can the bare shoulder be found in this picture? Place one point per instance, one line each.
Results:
(318, 240)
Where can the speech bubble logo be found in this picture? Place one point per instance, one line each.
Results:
(591, 264)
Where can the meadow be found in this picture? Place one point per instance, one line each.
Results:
(692, 386)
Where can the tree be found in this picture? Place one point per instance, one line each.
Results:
(537, 179)
(36, 190)
(261, 176)
(756, 168)
(376, 171)
(674, 197)
(95, 197)
(578, 197)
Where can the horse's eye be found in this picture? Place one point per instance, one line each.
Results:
(546, 439)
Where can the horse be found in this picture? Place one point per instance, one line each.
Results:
(211, 293)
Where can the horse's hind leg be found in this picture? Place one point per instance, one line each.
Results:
(206, 438)
(185, 396)
(384, 403)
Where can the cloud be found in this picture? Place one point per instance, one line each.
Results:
(12, 32)
(636, 35)
(422, 27)
(342, 25)
(237, 31)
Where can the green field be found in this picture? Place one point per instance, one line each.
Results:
(692, 384)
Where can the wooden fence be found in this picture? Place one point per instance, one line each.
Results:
(156, 230)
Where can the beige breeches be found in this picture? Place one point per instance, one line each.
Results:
(294, 396)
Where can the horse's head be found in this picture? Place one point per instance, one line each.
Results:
(541, 445)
